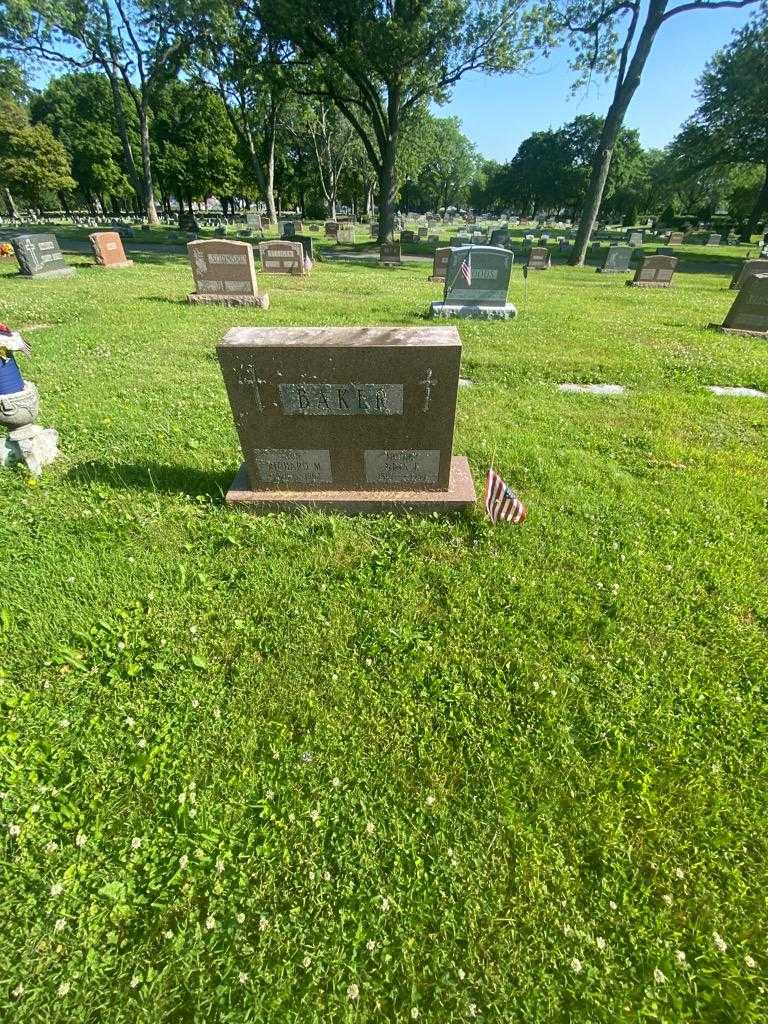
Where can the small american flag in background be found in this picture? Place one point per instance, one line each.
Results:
(466, 270)
(501, 503)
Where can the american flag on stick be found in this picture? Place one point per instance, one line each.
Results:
(501, 503)
(466, 269)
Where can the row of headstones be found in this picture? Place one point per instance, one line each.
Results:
(476, 277)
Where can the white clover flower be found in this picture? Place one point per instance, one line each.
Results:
(335, 782)
(57, 889)
(130, 722)
(720, 944)
(242, 977)
(35, 808)
(219, 865)
(750, 962)
(658, 976)
(307, 961)
(430, 803)
(370, 945)
(18, 992)
(311, 876)
(462, 974)
(269, 795)
(680, 956)
(314, 815)
(135, 982)
(60, 924)
(64, 723)
(51, 847)
(679, 873)
(385, 903)
(217, 713)
(240, 918)
(472, 1008)
(612, 904)
(168, 934)
(576, 965)
(370, 828)
(210, 922)
(183, 861)
(326, 876)
(142, 743)
(600, 942)
(352, 991)
(80, 840)
(263, 924)
(63, 989)
(414, 1013)
(667, 899)
(135, 842)
(195, 702)
(14, 831)
(193, 812)
(182, 798)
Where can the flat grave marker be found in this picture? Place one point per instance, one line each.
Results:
(108, 249)
(476, 284)
(348, 419)
(224, 274)
(282, 257)
(654, 272)
(39, 256)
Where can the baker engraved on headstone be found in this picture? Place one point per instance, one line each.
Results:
(40, 256)
(747, 269)
(617, 259)
(654, 272)
(282, 257)
(749, 312)
(440, 264)
(349, 418)
(476, 283)
(224, 274)
(108, 249)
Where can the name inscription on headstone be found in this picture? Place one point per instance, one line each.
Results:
(293, 465)
(384, 466)
(341, 399)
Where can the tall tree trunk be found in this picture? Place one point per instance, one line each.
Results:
(387, 193)
(122, 129)
(761, 204)
(9, 204)
(150, 210)
(601, 163)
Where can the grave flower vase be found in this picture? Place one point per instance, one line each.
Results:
(11, 380)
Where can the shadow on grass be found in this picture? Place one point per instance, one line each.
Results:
(153, 476)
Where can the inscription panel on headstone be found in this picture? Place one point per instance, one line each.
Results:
(222, 267)
(294, 390)
(390, 252)
(539, 258)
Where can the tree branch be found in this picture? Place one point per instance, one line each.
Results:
(700, 5)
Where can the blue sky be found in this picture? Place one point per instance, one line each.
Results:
(498, 113)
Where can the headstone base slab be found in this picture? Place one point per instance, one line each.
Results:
(648, 284)
(444, 309)
(735, 330)
(434, 277)
(197, 298)
(114, 266)
(459, 497)
(603, 270)
(62, 272)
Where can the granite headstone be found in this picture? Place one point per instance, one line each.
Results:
(746, 270)
(224, 274)
(539, 258)
(617, 258)
(654, 272)
(40, 256)
(476, 283)
(108, 249)
(282, 257)
(749, 312)
(390, 254)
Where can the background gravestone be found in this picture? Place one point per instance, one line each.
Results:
(306, 242)
(440, 264)
(746, 270)
(654, 272)
(635, 238)
(253, 219)
(407, 236)
(390, 254)
(282, 257)
(423, 232)
(539, 258)
(346, 418)
(331, 228)
(617, 259)
(483, 291)
(224, 274)
(346, 233)
(676, 238)
(714, 240)
(665, 250)
(500, 236)
(108, 249)
(288, 229)
(749, 312)
(40, 256)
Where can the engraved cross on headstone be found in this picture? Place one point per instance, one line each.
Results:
(429, 382)
(249, 378)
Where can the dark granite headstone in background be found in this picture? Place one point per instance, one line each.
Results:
(500, 236)
(749, 312)
(407, 236)
(746, 270)
(617, 260)
(390, 254)
(714, 240)
(635, 238)
(40, 256)
(440, 264)
(654, 272)
(306, 241)
(346, 418)
(282, 257)
(539, 258)
(476, 283)
(331, 228)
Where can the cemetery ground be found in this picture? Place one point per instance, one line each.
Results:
(310, 768)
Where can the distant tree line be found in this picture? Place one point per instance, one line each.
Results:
(313, 103)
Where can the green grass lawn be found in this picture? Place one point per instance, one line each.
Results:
(387, 769)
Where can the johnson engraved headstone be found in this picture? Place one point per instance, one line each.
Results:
(347, 418)
(40, 256)
(108, 249)
(749, 312)
(224, 274)
(282, 257)
(654, 272)
(476, 283)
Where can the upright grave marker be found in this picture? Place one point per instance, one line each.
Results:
(440, 264)
(282, 257)
(331, 228)
(345, 233)
(390, 254)
(224, 274)
(407, 236)
(539, 258)
(306, 242)
(746, 270)
(253, 219)
(617, 259)
(749, 312)
(676, 238)
(108, 249)
(635, 238)
(654, 272)
(714, 240)
(347, 418)
(40, 256)
(423, 232)
(500, 236)
(476, 284)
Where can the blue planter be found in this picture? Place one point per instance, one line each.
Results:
(10, 377)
